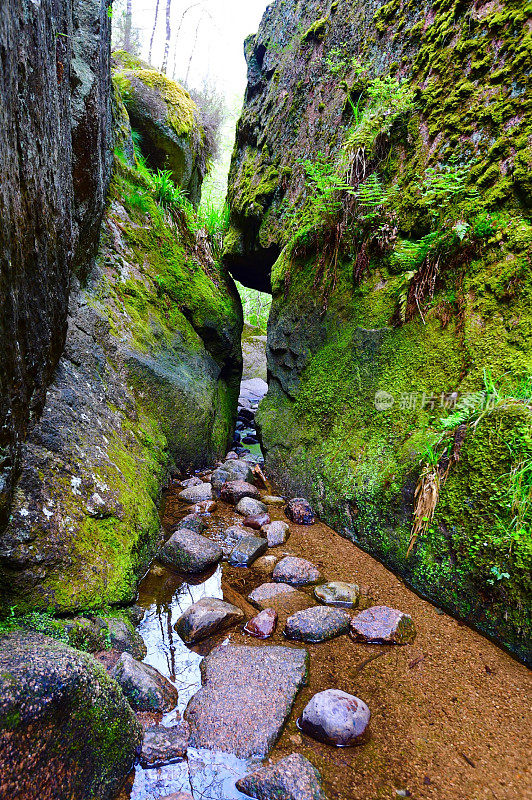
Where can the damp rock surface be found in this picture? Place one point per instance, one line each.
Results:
(317, 624)
(206, 617)
(189, 552)
(164, 745)
(296, 571)
(383, 625)
(144, 686)
(247, 550)
(335, 717)
(300, 511)
(338, 593)
(291, 778)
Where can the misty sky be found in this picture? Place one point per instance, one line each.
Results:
(212, 32)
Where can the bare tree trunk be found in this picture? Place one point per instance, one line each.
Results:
(183, 15)
(128, 26)
(164, 67)
(153, 31)
(193, 49)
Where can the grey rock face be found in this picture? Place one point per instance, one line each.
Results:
(233, 491)
(124, 638)
(164, 745)
(277, 532)
(338, 593)
(296, 571)
(335, 717)
(383, 625)
(197, 493)
(317, 624)
(249, 507)
(247, 549)
(206, 617)
(54, 701)
(291, 778)
(189, 552)
(145, 687)
(246, 696)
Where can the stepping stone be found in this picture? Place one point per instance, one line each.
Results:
(247, 549)
(276, 533)
(257, 521)
(273, 500)
(248, 507)
(189, 552)
(265, 564)
(335, 717)
(261, 596)
(195, 494)
(246, 697)
(145, 687)
(338, 593)
(192, 522)
(383, 625)
(283, 598)
(296, 571)
(186, 484)
(231, 537)
(263, 625)
(206, 617)
(291, 778)
(233, 491)
(300, 511)
(317, 624)
(163, 745)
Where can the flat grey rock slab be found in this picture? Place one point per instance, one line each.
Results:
(296, 571)
(195, 494)
(247, 550)
(317, 624)
(189, 552)
(206, 617)
(246, 697)
(291, 778)
(163, 745)
(383, 625)
(335, 717)
(338, 593)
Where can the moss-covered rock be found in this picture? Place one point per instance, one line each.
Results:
(406, 294)
(66, 729)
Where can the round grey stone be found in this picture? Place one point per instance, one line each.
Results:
(195, 494)
(335, 717)
(249, 507)
(317, 624)
(277, 532)
(338, 593)
(296, 571)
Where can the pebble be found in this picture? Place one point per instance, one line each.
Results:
(191, 482)
(296, 571)
(300, 511)
(248, 507)
(163, 745)
(276, 532)
(247, 549)
(257, 521)
(273, 500)
(335, 717)
(338, 593)
(196, 494)
(265, 564)
(383, 625)
(145, 687)
(317, 624)
(189, 552)
(233, 491)
(206, 617)
(263, 625)
(205, 507)
(291, 778)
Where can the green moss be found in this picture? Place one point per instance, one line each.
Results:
(317, 30)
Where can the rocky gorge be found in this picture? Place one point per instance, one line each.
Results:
(177, 618)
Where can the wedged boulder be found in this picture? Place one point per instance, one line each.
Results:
(233, 491)
(143, 685)
(300, 511)
(277, 532)
(296, 571)
(247, 549)
(124, 638)
(383, 625)
(196, 493)
(249, 507)
(189, 552)
(335, 717)
(66, 729)
(291, 778)
(246, 697)
(163, 745)
(338, 593)
(206, 617)
(317, 624)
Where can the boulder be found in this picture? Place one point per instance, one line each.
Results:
(205, 618)
(124, 638)
(265, 564)
(233, 491)
(66, 729)
(247, 549)
(249, 507)
(300, 511)
(296, 571)
(163, 745)
(257, 521)
(335, 717)
(196, 494)
(189, 552)
(277, 532)
(192, 522)
(263, 625)
(291, 778)
(317, 624)
(143, 685)
(383, 625)
(338, 593)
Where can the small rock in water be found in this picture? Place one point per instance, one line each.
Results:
(145, 687)
(249, 439)
(291, 778)
(273, 500)
(189, 552)
(206, 617)
(338, 593)
(188, 482)
(317, 624)
(233, 491)
(262, 594)
(383, 625)
(205, 507)
(231, 537)
(296, 571)
(299, 510)
(257, 521)
(163, 745)
(192, 522)
(231, 456)
(263, 625)
(276, 532)
(247, 549)
(335, 717)
(248, 507)
(265, 564)
(195, 494)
